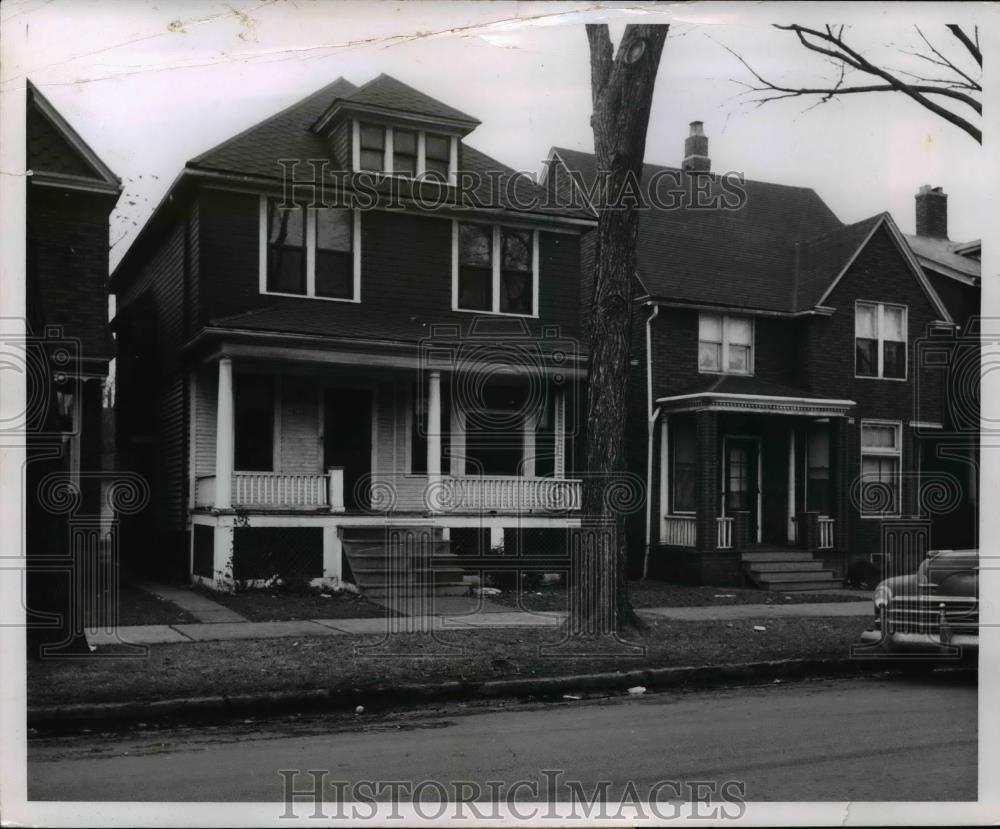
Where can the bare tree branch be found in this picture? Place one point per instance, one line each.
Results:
(968, 44)
(831, 43)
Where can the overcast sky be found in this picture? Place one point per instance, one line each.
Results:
(151, 84)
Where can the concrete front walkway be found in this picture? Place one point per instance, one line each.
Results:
(201, 607)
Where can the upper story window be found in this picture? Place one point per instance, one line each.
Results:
(372, 143)
(880, 340)
(495, 269)
(725, 344)
(404, 152)
(313, 252)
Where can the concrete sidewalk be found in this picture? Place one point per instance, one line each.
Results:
(228, 630)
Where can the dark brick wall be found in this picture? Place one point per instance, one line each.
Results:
(68, 259)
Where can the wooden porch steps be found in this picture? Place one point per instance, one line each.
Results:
(380, 571)
(788, 570)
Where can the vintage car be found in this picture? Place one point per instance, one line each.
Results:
(933, 613)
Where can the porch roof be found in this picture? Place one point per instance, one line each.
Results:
(750, 394)
(327, 330)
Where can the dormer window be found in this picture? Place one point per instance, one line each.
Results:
(404, 152)
(399, 151)
(372, 143)
(725, 344)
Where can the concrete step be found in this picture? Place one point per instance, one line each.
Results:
(807, 586)
(776, 555)
(764, 567)
(785, 576)
(371, 550)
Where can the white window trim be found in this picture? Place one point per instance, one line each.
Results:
(387, 160)
(725, 345)
(879, 318)
(495, 261)
(883, 453)
(310, 257)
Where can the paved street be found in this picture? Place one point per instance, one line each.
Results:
(864, 739)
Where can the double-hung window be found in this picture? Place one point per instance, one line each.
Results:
(683, 466)
(881, 464)
(818, 470)
(880, 340)
(313, 252)
(372, 142)
(725, 344)
(495, 269)
(399, 151)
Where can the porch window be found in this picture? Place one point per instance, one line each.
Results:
(881, 459)
(684, 467)
(725, 344)
(437, 156)
(494, 430)
(372, 141)
(404, 152)
(818, 471)
(286, 249)
(311, 252)
(880, 340)
(253, 398)
(495, 269)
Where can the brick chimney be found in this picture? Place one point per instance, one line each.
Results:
(932, 212)
(696, 158)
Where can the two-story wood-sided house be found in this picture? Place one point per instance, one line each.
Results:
(774, 390)
(299, 366)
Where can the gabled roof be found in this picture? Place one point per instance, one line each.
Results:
(57, 155)
(743, 256)
(387, 93)
(947, 258)
(782, 250)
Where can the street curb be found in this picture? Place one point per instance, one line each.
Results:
(68, 717)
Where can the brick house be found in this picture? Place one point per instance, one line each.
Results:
(71, 193)
(775, 413)
(300, 368)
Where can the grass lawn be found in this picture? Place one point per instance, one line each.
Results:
(137, 607)
(267, 606)
(209, 668)
(661, 594)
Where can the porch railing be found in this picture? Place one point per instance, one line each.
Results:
(825, 533)
(724, 533)
(680, 530)
(273, 490)
(476, 493)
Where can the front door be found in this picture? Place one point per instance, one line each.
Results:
(347, 441)
(741, 491)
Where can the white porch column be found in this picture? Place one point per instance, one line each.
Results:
(791, 485)
(225, 445)
(559, 428)
(664, 475)
(434, 425)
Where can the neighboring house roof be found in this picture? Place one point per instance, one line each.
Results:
(948, 258)
(57, 155)
(782, 250)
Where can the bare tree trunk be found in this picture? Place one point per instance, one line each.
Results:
(622, 86)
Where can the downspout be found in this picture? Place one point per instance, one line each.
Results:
(652, 415)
